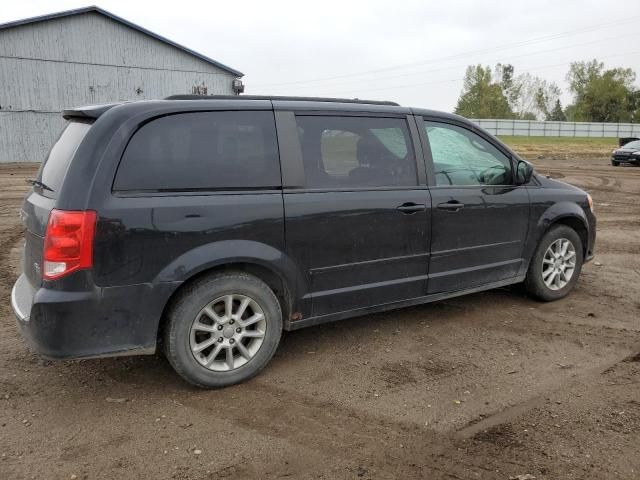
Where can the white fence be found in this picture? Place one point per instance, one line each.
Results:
(533, 128)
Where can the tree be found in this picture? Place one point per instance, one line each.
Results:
(481, 97)
(634, 105)
(547, 98)
(601, 95)
(557, 113)
(530, 97)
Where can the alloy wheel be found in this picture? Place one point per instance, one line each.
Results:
(558, 264)
(228, 332)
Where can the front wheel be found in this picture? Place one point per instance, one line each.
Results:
(614, 163)
(223, 329)
(556, 264)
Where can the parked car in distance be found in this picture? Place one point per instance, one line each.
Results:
(207, 225)
(628, 153)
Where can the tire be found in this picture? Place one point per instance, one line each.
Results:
(614, 163)
(192, 324)
(535, 283)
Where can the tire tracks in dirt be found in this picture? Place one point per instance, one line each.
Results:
(580, 377)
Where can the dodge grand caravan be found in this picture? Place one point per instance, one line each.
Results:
(205, 226)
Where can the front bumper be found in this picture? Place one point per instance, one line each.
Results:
(101, 322)
(591, 238)
(632, 160)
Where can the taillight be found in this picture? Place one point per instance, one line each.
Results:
(68, 243)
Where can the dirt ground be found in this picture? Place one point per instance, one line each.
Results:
(491, 386)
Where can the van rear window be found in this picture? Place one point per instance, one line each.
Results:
(202, 151)
(55, 167)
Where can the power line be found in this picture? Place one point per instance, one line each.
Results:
(451, 67)
(541, 67)
(617, 23)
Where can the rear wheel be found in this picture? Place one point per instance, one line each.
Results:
(223, 330)
(556, 264)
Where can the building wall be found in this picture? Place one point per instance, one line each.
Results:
(84, 59)
(534, 128)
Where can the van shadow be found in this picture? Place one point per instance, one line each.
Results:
(440, 313)
(153, 375)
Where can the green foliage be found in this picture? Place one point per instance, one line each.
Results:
(523, 96)
(557, 113)
(547, 100)
(634, 106)
(601, 95)
(526, 116)
(530, 97)
(481, 97)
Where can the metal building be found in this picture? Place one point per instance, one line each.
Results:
(86, 56)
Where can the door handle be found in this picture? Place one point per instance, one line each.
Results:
(452, 206)
(410, 207)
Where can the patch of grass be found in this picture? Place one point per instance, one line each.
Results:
(595, 141)
(560, 147)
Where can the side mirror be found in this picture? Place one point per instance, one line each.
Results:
(524, 172)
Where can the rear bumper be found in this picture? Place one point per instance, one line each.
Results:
(102, 322)
(22, 298)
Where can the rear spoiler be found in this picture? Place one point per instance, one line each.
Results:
(87, 112)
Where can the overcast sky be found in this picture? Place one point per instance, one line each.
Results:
(412, 52)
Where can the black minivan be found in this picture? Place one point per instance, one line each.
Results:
(207, 225)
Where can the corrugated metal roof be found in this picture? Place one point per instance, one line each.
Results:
(77, 11)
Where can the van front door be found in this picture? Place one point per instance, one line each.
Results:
(480, 216)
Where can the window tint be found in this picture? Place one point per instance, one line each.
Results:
(57, 163)
(356, 151)
(202, 151)
(461, 157)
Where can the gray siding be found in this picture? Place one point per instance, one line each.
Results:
(28, 136)
(83, 59)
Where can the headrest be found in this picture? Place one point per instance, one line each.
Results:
(370, 151)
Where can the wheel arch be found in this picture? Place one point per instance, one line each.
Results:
(273, 279)
(566, 213)
(576, 224)
(264, 261)
(533, 280)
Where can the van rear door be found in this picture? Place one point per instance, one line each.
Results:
(358, 224)
(42, 198)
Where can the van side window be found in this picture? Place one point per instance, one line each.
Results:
(202, 151)
(461, 157)
(356, 151)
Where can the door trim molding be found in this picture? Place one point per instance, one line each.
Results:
(484, 266)
(308, 322)
(345, 266)
(365, 286)
(488, 245)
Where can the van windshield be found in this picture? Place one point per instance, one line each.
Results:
(55, 167)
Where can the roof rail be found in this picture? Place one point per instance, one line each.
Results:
(276, 97)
